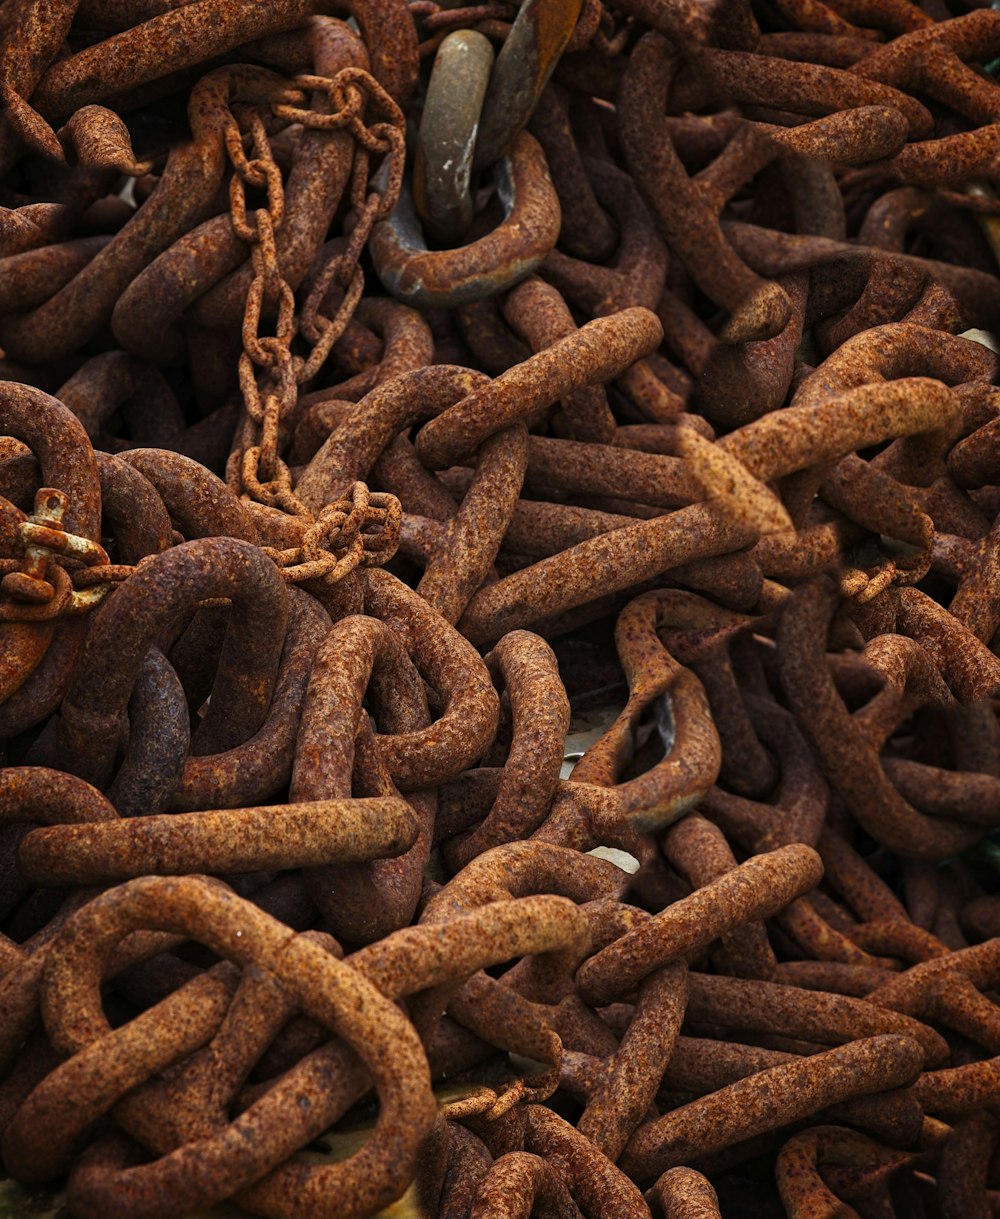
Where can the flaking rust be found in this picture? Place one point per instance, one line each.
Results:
(385, 387)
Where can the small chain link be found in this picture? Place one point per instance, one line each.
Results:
(37, 587)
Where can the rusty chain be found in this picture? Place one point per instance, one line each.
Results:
(269, 373)
(499, 627)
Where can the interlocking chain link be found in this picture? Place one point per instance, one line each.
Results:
(269, 373)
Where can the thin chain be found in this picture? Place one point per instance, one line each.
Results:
(269, 373)
(36, 587)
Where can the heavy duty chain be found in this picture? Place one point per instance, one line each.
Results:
(499, 615)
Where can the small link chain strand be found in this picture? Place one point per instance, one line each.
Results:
(360, 528)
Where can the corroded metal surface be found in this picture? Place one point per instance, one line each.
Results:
(499, 555)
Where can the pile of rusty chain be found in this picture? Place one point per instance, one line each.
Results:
(361, 371)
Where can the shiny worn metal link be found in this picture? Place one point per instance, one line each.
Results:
(37, 587)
